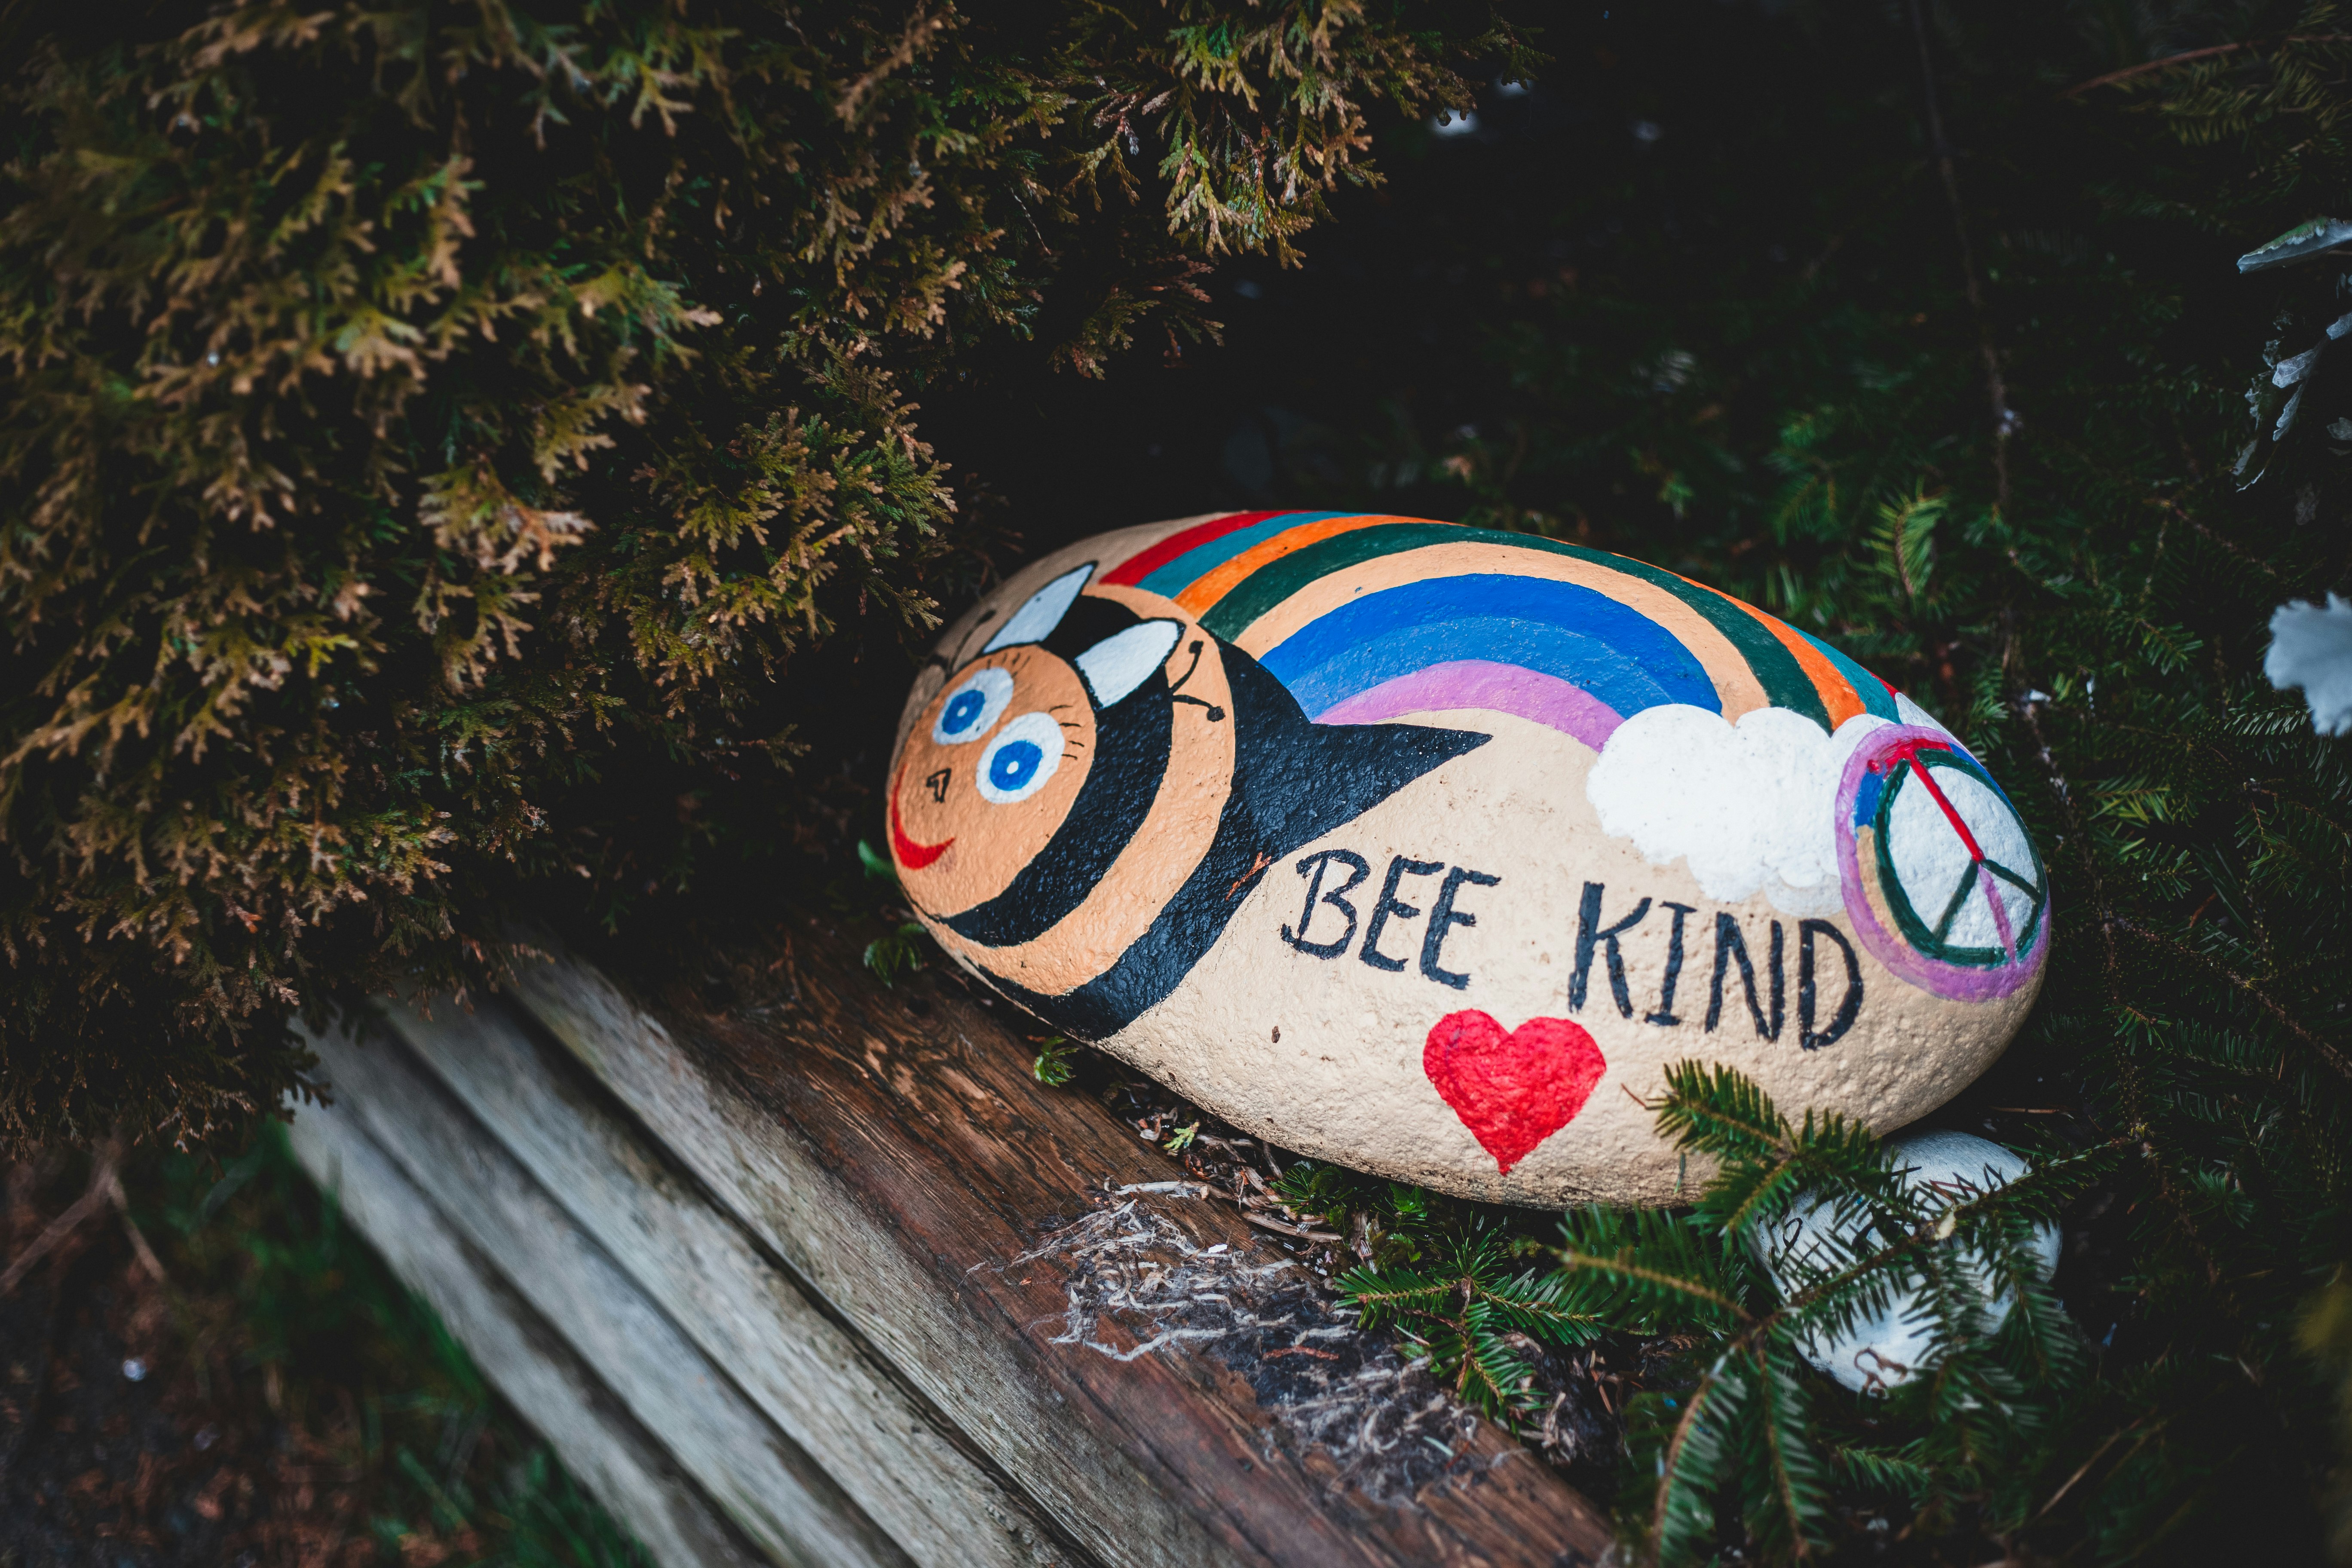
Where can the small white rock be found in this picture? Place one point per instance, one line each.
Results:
(1887, 1348)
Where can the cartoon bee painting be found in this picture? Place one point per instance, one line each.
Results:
(1083, 806)
(1429, 850)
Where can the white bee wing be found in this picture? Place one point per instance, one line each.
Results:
(1118, 665)
(1035, 621)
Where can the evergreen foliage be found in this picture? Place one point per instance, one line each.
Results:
(1457, 1313)
(1923, 326)
(434, 434)
(1958, 1445)
(1920, 324)
(1055, 1062)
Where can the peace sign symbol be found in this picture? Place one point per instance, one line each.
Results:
(1940, 876)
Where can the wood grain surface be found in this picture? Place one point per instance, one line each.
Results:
(787, 1503)
(989, 1238)
(595, 1435)
(895, 1459)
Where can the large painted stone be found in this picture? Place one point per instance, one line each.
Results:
(1427, 849)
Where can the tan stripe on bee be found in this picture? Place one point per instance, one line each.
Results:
(1166, 849)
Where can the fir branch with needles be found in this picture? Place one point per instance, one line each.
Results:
(1459, 1312)
(1751, 1446)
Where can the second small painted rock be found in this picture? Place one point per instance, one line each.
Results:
(1879, 1350)
(1426, 850)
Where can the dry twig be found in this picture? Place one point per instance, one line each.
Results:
(105, 1186)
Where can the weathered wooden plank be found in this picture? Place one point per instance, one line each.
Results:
(589, 1430)
(893, 1150)
(895, 1459)
(775, 1494)
(975, 1370)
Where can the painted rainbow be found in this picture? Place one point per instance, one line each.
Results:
(1363, 618)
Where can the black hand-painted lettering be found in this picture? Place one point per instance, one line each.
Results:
(1443, 917)
(937, 783)
(1589, 934)
(1807, 994)
(1313, 868)
(1666, 1012)
(1399, 869)
(1730, 947)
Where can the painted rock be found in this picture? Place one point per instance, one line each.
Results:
(1885, 1348)
(1426, 850)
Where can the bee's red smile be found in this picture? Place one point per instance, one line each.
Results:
(914, 857)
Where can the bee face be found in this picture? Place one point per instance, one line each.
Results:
(988, 774)
(1039, 864)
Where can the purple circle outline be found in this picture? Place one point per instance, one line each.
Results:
(1956, 982)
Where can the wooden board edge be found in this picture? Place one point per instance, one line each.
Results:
(898, 1457)
(590, 1431)
(775, 1493)
(1023, 1430)
(685, 1090)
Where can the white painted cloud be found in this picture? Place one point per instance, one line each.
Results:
(1749, 807)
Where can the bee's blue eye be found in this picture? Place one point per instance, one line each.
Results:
(1024, 755)
(962, 710)
(973, 707)
(1014, 765)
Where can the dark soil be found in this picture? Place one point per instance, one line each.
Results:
(256, 1389)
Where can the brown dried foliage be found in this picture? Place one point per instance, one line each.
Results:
(429, 425)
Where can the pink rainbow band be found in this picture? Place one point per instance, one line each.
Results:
(1483, 684)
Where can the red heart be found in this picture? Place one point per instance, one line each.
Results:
(1512, 1090)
